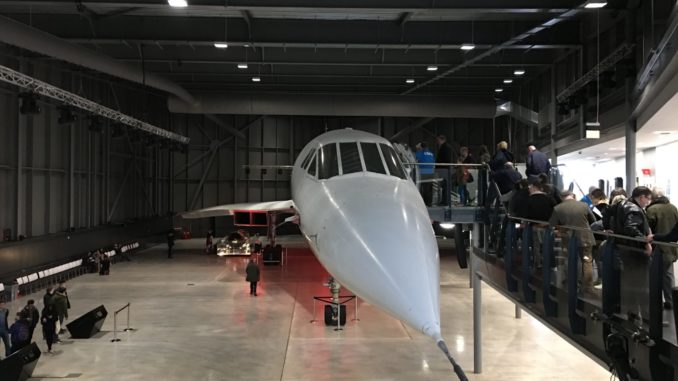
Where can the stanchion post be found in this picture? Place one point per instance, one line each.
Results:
(477, 328)
(115, 328)
(338, 316)
(356, 308)
(129, 307)
(313, 320)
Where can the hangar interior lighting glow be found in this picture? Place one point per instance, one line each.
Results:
(595, 4)
(242, 66)
(409, 80)
(446, 225)
(519, 72)
(256, 79)
(467, 47)
(177, 3)
(220, 45)
(432, 68)
(508, 81)
(499, 90)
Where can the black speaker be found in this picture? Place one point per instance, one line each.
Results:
(88, 324)
(19, 365)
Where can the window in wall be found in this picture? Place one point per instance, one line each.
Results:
(328, 162)
(372, 158)
(350, 158)
(392, 162)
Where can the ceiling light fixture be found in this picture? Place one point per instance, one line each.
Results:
(177, 3)
(242, 66)
(467, 47)
(220, 45)
(432, 68)
(256, 79)
(519, 72)
(409, 80)
(595, 4)
(508, 81)
(498, 90)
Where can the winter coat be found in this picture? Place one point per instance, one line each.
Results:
(662, 217)
(252, 271)
(575, 213)
(500, 158)
(60, 302)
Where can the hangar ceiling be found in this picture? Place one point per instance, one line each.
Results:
(307, 46)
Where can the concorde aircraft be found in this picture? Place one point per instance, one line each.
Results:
(366, 223)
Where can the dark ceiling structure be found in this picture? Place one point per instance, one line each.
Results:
(307, 46)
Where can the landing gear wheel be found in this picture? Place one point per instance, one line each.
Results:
(331, 318)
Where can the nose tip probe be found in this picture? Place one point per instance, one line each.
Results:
(457, 369)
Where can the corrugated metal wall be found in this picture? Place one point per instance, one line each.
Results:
(55, 176)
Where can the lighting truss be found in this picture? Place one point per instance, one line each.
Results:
(15, 78)
(592, 74)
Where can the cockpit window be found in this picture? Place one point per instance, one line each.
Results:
(311, 168)
(307, 159)
(328, 162)
(373, 162)
(350, 158)
(392, 161)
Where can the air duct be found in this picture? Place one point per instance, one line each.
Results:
(338, 105)
(18, 34)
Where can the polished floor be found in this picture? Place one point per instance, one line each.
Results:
(195, 320)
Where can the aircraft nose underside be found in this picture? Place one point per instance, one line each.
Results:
(393, 243)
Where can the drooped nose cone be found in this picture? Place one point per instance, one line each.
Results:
(386, 251)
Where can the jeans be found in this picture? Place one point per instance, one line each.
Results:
(5, 338)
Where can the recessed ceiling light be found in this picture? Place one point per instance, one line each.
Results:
(409, 80)
(256, 79)
(242, 66)
(246, 45)
(592, 124)
(467, 47)
(432, 68)
(220, 45)
(508, 81)
(595, 4)
(499, 90)
(519, 72)
(663, 132)
(177, 3)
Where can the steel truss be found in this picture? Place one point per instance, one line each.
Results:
(15, 78)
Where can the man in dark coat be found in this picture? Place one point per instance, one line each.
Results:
(252, 271)
(170, 243)
(632, 221)
(32, 315)
(662, 216)
(444, 156)
(575, 213)
(4, 328)
(501, 156)
(537, 163)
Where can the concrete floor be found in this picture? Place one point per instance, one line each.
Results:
(196, 321)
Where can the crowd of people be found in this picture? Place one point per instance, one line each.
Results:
(21, 332)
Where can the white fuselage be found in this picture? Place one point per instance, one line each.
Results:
(370, 230)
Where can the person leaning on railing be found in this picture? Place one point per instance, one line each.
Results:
(663, 219)
(631, 220)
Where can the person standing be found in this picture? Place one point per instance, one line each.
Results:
(444, 156)
(49, 320)
(4, 328)
(208, 242)
(426, 161)
(170, 243)
(501, 157)
(252, 271)
(575, 213)
(20, 332)
(60, 301)
(662, 216)
(537, 163)
(32, 315)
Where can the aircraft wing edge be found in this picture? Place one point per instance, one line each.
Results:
(230, 209)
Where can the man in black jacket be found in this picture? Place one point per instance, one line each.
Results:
(631, 220)
(4, 328)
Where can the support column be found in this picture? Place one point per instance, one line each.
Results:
(519, 312)
(20, 153)
(554, 120)
(71, 176)
(630, 134)
(477, 325)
